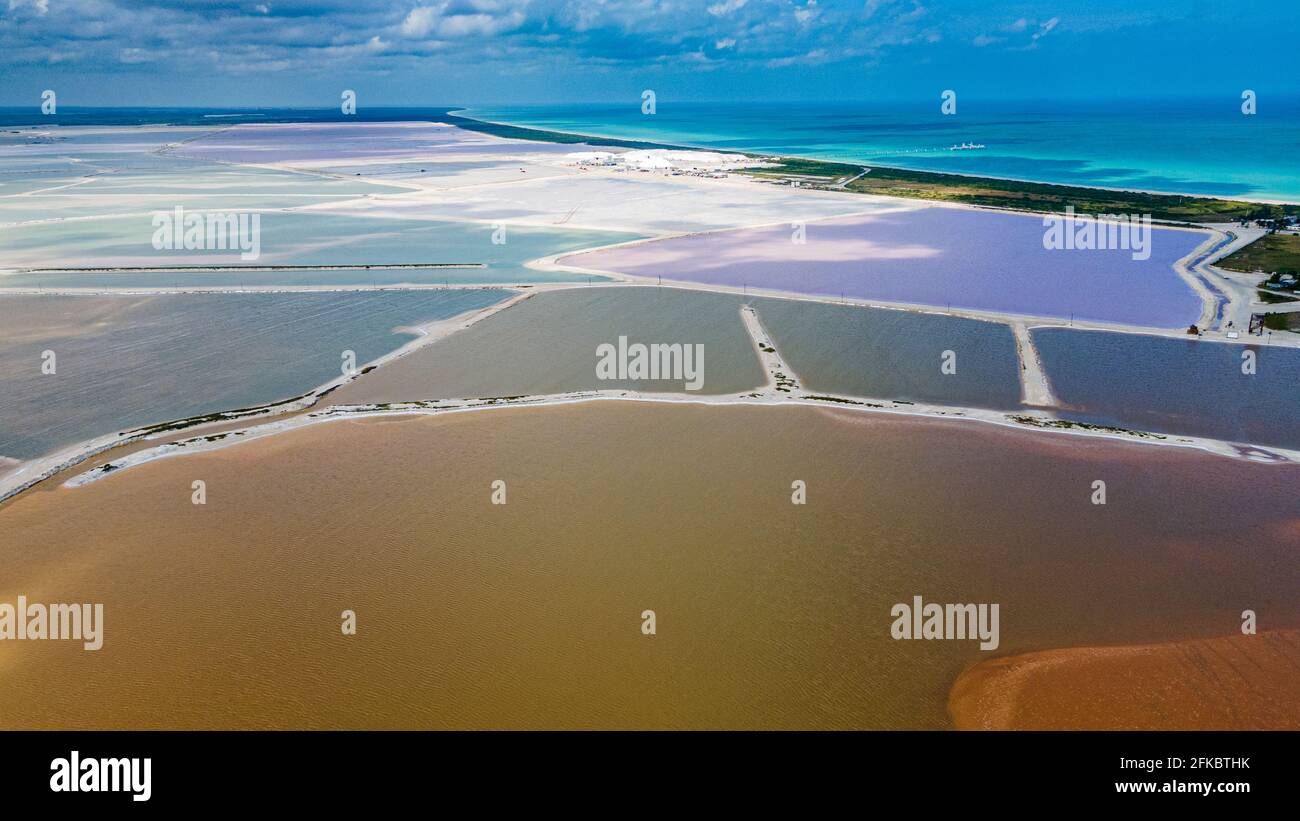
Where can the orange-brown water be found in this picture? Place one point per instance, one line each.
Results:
(1235, 682)
(529, 614)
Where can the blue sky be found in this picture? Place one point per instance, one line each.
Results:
(430, 52)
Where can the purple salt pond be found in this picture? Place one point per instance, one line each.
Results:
(976, 260)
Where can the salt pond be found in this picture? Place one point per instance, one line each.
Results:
(295, 238)
(123, 362)
(958, 257)
(548, 344)
(1181, 386)
(887, 354)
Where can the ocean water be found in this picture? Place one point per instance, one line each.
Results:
(883, 354)
(123, 362)
(1178, 386)
(1196, 146)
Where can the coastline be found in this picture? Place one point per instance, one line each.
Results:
(602, 139)
(1029, 421)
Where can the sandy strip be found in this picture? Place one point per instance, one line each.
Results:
(1027, 421)
(1196, 278)
(1035, 387)
(1228, 683)
(780, 378)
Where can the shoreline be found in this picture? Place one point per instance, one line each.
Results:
(1029, 421)
(654, 144)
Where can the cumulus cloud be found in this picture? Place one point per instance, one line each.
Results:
(726, 7)
(806, 14)
(323, 37)
(448, 20)
(39, 7)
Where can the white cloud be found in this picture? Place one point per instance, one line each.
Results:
(443, 20)
(136, 55)
(725, 42)
(817, 55)
(806, 15)
(726, 7)
(1046, 27)
(41, 7)
(419, 21)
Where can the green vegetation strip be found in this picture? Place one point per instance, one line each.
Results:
(1271, 253)
(1023, 196)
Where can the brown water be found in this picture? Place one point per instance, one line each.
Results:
(528, 614)
(1233, 682)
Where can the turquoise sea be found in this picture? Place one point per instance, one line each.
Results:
(1190, 146)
